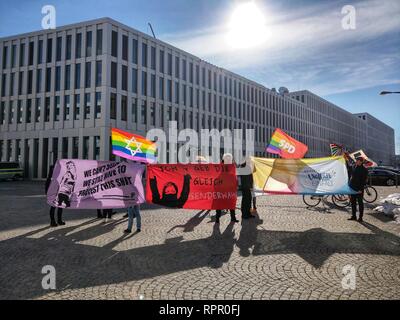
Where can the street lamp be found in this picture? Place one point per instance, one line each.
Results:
(388, 92)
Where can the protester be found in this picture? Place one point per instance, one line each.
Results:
(226, 159)
(247, 185)
(53, 222)
(107, 214)
(358, 181)
(134, 212)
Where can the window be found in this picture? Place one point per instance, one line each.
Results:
(3, 114)
(124, 109)
(176, 67)
(49, 52)
(12, 81)
(153, 114)
(56, 108)
(153, 58)
(191, 72)
(75, 147)
(161, 88)
(184, 70)
(30, 56)
(96, 149)
(161, 65)
(114, 43)
(176, 92)
(47, 110)
(113, 106)
(40, 52)
(99, 42)
(143, 117)
(30, 81)
(113, 74)
(169, 64)
(67, 107)
(11, 112)
(28, 115)
(58, 48)
(161, 109)
(124, 80)
(19, 111)
(144, 55)
(48, 79)
(85, 154)
(78, 46)
(37, 110)
(5, 52)
(87, 106)
(153, 85)
(77, 76)
(67, 77)
(169, 90)
(68, 47)
(134, 110)
(124, 47)
(134, 51)
(144, 83)
(88, 43)
(98, 105)
(77, 105)
(88, 74)
(3, 84)
(98, 73)
(58, 78)
(65, 148)
(13, 55)
(134, 80)
(22, 55)
(20, 82)
(197, 75)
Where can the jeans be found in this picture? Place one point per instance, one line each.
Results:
(134, 212)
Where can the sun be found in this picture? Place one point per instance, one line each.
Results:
(246, 27)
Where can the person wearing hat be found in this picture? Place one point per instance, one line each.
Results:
(358, 180)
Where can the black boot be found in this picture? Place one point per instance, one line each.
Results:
(53, 223)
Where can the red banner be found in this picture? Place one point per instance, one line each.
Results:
(192, 186)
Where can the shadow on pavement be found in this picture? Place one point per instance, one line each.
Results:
(80, 266)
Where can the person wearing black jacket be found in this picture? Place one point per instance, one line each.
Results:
(53, 222)
(247, 185)
(358, 180)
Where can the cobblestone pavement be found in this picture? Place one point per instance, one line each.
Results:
(287, 252)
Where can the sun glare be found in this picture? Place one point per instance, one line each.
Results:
(246, 28)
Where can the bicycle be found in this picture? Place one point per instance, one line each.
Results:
(343, 200)
(313, 200)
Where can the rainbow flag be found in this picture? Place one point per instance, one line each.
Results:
(286, 146)
(132, 146)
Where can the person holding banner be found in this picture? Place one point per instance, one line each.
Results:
(358, 181)
(226, 159)
(53, 222)
(247, 185)
(134, 212)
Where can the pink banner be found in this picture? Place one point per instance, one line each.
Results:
(90, 184)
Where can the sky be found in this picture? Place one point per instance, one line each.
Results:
(296, 44)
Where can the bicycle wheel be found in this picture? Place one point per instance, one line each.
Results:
(370, 194)
(341, 200)
(311, 200)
